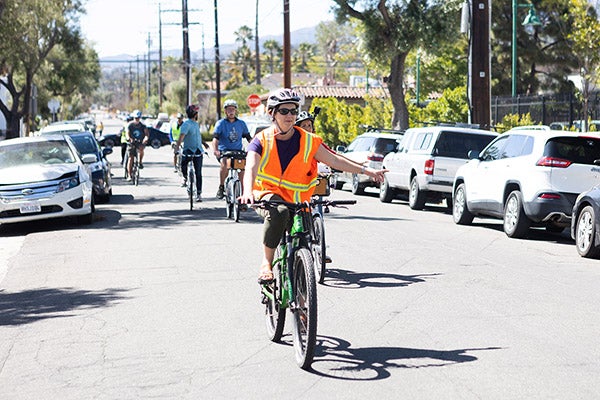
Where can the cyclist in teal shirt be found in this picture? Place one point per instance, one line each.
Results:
(227, 136)
(192, 145)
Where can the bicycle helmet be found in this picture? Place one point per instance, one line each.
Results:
(282, 96)
(191, 110)
(303, 116)
(136, 114)
(230, 103)
(179, 115)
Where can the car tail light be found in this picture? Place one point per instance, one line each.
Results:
(553, 162)
(429, 165)
(375, 157)
(550, 196)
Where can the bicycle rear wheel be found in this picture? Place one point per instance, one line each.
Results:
(305, 308)
(318, 248)
(191, 181)
(274, 313)
(237, 192)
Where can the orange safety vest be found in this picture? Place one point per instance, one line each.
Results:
(297, 183)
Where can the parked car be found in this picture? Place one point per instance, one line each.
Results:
(585, 223)
(367, 149)
(62, 127)
(426, 160)
(256, 124)
(86, 143)
(43, 177)
(527, 178)
(110, 140)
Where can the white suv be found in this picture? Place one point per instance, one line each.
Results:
(527, 178)
(367, 149)
(426, 160)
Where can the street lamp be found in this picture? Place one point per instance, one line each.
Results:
(531, 20)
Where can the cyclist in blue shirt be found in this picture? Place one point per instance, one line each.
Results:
(192, 145)
(227, 136)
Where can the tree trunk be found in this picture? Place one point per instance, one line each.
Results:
(396, 88)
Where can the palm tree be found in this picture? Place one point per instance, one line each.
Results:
(303, 54)
(273, 52)
(244, 35)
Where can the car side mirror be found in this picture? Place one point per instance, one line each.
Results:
(89, 158)
(340, 149)
(472, 154)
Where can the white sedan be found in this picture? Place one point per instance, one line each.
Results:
(43, 177)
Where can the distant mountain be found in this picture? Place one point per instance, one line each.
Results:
(304, 35)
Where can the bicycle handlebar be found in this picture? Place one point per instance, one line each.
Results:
(296, 206)
(238, 154)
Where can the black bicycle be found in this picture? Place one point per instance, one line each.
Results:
(294, 286)
(133, 151)
(236, 162)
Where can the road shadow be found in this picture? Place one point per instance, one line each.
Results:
(336, 358)
(536, 233)
(18, 308)
(344, 279)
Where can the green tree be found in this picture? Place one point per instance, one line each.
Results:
(302, 55)
(273, 53)
(30, 30)
(585, 41)
(393, 28)
(336, 44)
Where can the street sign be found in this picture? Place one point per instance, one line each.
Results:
(53, 105)
(253, 101)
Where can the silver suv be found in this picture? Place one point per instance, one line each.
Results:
(426, 160)
(367, 149)
(527, 178)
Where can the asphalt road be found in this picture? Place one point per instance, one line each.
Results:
(155, 301)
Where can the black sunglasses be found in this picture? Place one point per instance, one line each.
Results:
(286, 111)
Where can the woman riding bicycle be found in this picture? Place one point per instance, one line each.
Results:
(192, 147)
(281, 164)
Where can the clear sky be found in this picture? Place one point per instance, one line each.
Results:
(122, 26)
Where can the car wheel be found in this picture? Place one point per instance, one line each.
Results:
(460, 211)
(357, 187)
(416, 197)
(585, 233)
(516, 224)
(386, 193)
(155, 143)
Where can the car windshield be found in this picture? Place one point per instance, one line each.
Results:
(85, 144)
(579, 150)
(52, 152)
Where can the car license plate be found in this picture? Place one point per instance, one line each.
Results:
(28, 208)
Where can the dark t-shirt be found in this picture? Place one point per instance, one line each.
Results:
(286, 149)
(137, 131)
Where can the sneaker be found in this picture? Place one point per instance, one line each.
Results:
(198, 199)
(128, 179)
(141, 166)
(220, 193)
(184, 183)
(175, 170)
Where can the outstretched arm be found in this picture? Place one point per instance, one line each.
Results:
(252, 161)
(340, 163)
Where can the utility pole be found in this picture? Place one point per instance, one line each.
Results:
(479, 71)
(186, 52)
(148, 71)
(160, 70)
(257, 47)
(217, 63)
(287, 59)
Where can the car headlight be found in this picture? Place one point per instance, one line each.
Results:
(67, 184)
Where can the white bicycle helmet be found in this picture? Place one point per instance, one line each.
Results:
(282, 96)
(230, 103)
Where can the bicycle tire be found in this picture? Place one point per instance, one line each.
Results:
(227, 197)
(318, 248)
(191, 181)
(126, 165)
(304, 312)
(135, 172)
(274, 313)
(237, 192)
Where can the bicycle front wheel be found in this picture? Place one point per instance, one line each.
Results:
(237, 192)
(274, 312)
(135, 172)
(305, 308)
(318, 247)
